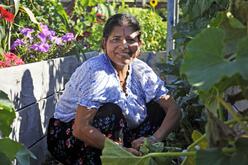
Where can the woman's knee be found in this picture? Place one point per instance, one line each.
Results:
(109, 109)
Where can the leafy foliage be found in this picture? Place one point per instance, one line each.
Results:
(217, 156)
(9, 149)
(213, 63)
(208, 46)
(148, 147)
(7, 114)
(153, 28)
(114, 154)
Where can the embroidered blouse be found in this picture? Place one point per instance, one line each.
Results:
(96, 82)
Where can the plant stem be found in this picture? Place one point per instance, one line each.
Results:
(229, 108)
(189, 153)
(9, 36)
(170, 154)
(228, 150)
(196, 142)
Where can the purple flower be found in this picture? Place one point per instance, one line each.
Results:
(17, 42)
(44, 28)
(42, 36)
(57, 40)
(46, 31)
(68, 37)
(27, 32)
(40, 47)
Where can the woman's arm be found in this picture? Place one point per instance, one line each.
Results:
(83, 130)
(171, 120)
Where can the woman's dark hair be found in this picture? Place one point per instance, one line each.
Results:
(120, 20)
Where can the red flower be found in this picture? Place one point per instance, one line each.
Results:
(10, 59)
(99, 15)
(100, 18)
(8, 16)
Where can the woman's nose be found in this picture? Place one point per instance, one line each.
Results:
(125, 43)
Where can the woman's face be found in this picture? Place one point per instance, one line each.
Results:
(122, 45)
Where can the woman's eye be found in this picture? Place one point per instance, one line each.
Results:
(130, 41)
(116, 39)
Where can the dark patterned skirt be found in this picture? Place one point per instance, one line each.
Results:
(109, 120)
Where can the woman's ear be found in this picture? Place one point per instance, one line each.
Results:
(103, 44)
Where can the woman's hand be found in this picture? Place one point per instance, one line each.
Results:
(134, 151)
(137, 143)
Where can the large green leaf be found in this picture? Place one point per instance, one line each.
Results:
(9, 147)
(241, 156)
(216, 156)
(113, 154)
(23, 156)
(4, 99)
(9, 150)
(242, 58)
(4, 159)
(211, 156)
(7, 114)
(204, 62)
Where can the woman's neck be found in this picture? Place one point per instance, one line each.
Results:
(122, 71)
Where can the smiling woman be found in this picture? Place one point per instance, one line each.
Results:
(112, 95)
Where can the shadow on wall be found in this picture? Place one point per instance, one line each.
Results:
(27, 127)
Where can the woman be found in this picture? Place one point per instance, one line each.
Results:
(110, 95)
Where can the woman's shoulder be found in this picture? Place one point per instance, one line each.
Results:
(140, 66)
(94, 63)
(142, 71)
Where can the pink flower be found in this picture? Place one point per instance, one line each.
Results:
(2, 64)
(10, 59)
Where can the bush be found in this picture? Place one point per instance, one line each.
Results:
(153, 28)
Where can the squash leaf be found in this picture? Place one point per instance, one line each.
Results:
(204, 63)
(113, 154)
(211, 156)
(7, 114)
(9, 148)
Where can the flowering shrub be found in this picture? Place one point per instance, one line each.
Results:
(7, 59)
(153, 28)
(35, 45)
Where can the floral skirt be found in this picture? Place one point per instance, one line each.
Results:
(109, 120)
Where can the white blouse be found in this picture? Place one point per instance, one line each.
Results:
(95, 82)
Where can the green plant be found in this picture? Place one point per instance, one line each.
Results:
(36, 45)
(212, 48)
(8, 58)
(213, 63)
(9, 149)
